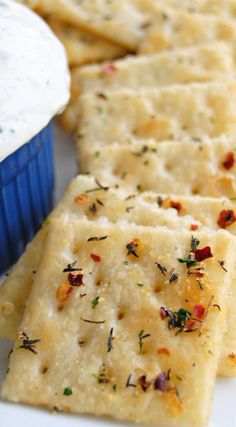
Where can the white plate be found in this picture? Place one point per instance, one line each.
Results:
(224, 405)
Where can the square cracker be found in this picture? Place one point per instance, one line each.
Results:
(88, 368)
(83, 47)
(171, 168)
(173, 28)
(122, 22)
(196, 64)
(117, 205)
(173, 112)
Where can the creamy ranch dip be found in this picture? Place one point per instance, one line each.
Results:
(34, 77)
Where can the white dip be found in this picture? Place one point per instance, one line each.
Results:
(34, 77)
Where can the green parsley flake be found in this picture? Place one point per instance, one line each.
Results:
(67, 391)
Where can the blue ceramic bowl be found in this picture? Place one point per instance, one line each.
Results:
(26, 195)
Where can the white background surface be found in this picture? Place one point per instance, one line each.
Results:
(224, 405)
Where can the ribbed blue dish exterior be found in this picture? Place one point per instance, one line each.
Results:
(26, 195)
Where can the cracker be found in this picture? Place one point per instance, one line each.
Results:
(197, 64)
(83, 47)
(118, 205)
(171, 168)
(89, 368)
(122, 22)
(170, 28)
(180, 111)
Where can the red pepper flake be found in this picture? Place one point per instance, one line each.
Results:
(64, 291)
(229, 160)
(161, 382)
(226, 218)
(109, 68)
(199, 311)
(164, 351)
(194, 227)
(176, 205)
(191, 325)
(202, 254)
(82, 199)
(163, 313)
(75, 278)
(144, 384)
(96, 258)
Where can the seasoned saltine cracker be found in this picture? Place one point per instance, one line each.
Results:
(106, 341)
(172, 168)
(197, 64)
(83, 47)
(180, 111)
(122, 22)
(84, 198)
(172, 28)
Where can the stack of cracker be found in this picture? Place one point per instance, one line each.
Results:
(123, 304)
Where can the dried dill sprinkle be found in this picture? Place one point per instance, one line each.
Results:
(160, 201)
(128, 383)
(162, 268)
(173, 278)
(109, 342)
(229, 161)
(181, 319)
(144, 384)
(71, 267)
(114, 387)
(132, 247)
(93, 208)
(189, 262)
(140, 285)
(98, 188)
(222, 264)
(143, 150)
(101, 96)
(99, 202)
(67, 391)
(95, 302)
(129, 208)
(226, 218)
(132, 196)
(97, 239)
(28, 344)
(95, 322)
(194, 244)
(142, 336)
(196, 255)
